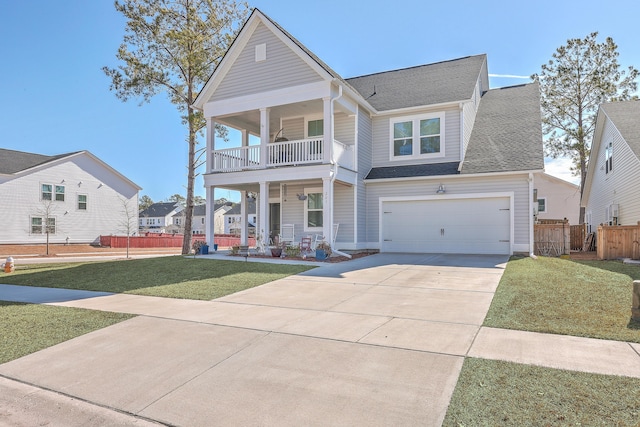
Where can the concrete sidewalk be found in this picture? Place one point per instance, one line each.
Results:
(376, 341)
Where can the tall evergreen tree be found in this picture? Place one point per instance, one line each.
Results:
(173, 46)
(580, 76)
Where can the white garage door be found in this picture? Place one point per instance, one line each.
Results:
(466, 226)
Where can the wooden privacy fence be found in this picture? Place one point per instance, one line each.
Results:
(552, 239)
(578, 236)
(618, 241)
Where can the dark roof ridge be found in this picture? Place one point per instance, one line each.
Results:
(415, 66)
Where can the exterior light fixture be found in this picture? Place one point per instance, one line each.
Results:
(301, 196)
(441, 189)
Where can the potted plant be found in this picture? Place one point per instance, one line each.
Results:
(200, 247)
(323, 251)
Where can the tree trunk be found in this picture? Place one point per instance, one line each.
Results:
(191, 177)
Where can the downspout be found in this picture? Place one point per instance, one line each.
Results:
(531, 248)
(334, 167)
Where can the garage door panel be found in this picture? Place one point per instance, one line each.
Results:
(474, 225)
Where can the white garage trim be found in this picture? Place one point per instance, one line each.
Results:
(442, 197)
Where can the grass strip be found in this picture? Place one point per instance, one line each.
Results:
(495, 393)
(27, 328)
(174, 277)
(552, 295)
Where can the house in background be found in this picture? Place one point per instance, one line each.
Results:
(232, 218)
(199, 218)
(158, 218)
(422, 159)
(76, 197)
(557, 198)
(612, 187)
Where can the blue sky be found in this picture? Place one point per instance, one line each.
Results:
(54, 98)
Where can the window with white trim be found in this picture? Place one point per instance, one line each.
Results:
(37, 225)
(542, 204)
(315, 128)
(59, 193)
(82, 202)
(47, 192)
(313, 209)
(417, 136)
(608, 157)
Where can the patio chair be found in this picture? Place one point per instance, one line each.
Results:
(305, 245)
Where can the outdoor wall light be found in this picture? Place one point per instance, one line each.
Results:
(441, 189)
(301, 196)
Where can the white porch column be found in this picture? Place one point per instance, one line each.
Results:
(244, 219)
(211, 144)
(262, 226)
(264, 136)
(327, 209)
(210, 228)
(327, 108)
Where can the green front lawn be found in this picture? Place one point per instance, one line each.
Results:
(552, 295)
(27, 328)
(174, 277)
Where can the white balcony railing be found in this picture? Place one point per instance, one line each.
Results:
(283, 153)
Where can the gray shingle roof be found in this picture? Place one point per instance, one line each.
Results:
(507, 134)
(158, 210)
(15, 161)
(447, 81)
(408, 171)
(235, 210)
(625, 115)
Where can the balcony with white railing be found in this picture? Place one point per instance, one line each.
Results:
(280, 154)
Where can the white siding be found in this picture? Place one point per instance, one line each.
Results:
(20, 199)
(562, 199)
(381, 140)
(517, 184)
(283, 68)
(620, 186)
(344, 128)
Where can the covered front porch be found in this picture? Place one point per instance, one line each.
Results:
(317, 207)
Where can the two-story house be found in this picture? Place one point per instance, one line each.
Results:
(158, 218)
(612, 188)
(199, 219)
(422, 159)
(233, 219)
(66, 198)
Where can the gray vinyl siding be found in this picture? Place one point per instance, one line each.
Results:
(518, 184)
(292, 209)
(343, 213)
(364, 166)
(620, 186)
(382, 142)
(344, 128)
(283, 68)
(293, 128)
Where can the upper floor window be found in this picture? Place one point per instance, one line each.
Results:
(47, 191)
(608, 157)
(82, 202)
(315, 128)
(60, 193)
(417, 136)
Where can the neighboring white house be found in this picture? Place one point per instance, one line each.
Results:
(422, 159)
(557, 198)
(612, 187)
(157, 218)
(76, 197)
(199, 218)
(233, 219)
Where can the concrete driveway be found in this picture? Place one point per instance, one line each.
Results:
(375, 341)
